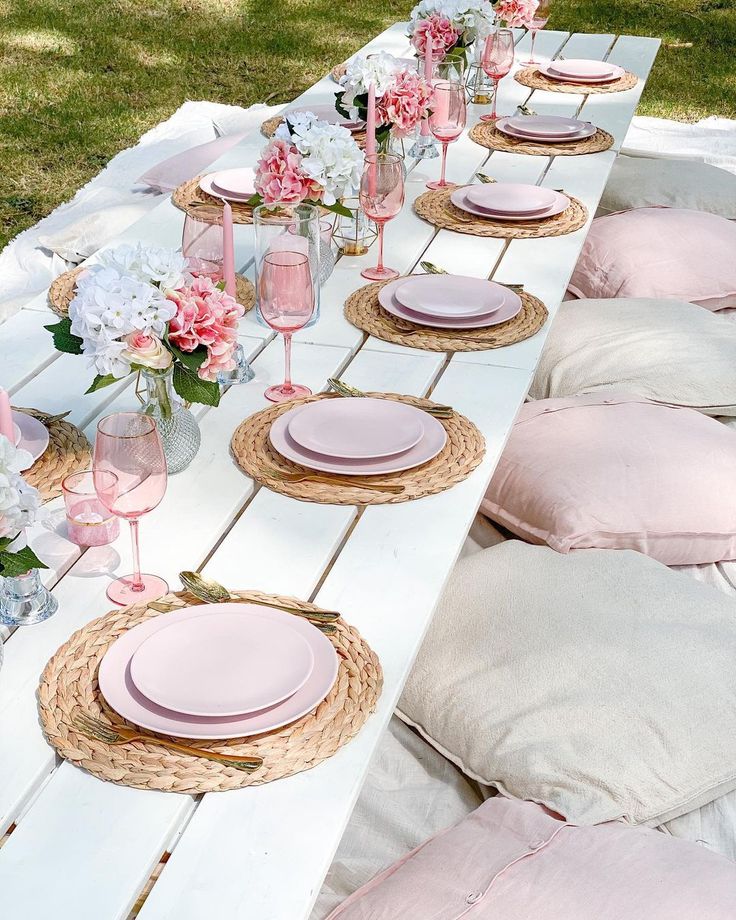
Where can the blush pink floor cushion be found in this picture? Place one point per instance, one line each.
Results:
(614, 471)
(513, 860)
(170, 173)
(660, 252)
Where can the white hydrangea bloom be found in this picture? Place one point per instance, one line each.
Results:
(20, 504)
(379, 69)
(330, 156)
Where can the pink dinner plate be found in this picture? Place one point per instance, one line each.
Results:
(586, 130)
(34, 435)
(233, 184)
(228, 664)
(458, 198)
(357, 429)
(543, 125)
(449, 295)
(614, 74)
(510, 198)
(431, 443)
(118, 688)
(582, 69)
(509, 308)
(329, 114)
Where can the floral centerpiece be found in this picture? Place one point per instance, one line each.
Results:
(20, 506)
(454, 25)
(515, 14)
(139, 309)
(403, 97)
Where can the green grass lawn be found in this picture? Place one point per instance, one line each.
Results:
(82, 79)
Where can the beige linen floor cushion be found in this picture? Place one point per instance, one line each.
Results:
(669, 351)
(641, 182)
(599, 684)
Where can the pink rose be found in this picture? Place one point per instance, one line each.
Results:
(441, 31)
(405, 103)
(279, 176)
(516, 14)
(146, 350)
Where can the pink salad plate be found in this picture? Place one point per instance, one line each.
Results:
(34, 435)
(431, 443)
(449, 296)
(586, 129)
(459, 199)
(509, 308)
(357, 429)
(542, 127)
(121, 693)
(553, 70)
(510, 198)
(329, 114)
(237, 184)
(228, 664)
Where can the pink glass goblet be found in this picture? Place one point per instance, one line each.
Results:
(381, 198)
(497, 60)
(287, 304)
(202, 246)
(447, 120)
(538, 21)
(128, 445)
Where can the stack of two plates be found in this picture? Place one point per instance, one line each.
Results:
(510, 202)
(232, 184)
(581, 71)
(548, 129)
(218, 671)
(30, 435)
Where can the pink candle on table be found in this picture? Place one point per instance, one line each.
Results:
(370, 122)
(228, 249)
(88, 522)
(428, 52)
(6, 417)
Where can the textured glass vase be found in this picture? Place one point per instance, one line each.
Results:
(25, 601)
(176, 425)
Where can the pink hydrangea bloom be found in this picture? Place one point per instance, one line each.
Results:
(442, 33)
(405, 103)
(516, 14)
(207, 316)
(279, 176)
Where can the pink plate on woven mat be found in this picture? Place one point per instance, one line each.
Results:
(34, 435)
(450, 296)
(431, 443)
(329, 114)
(121, 693)
(509, 308)
(357, 429)
(510, 198)
(586, 130)
(544, 125)
(227, 665)
(460, 200)
(582, 69)
(237, 184)
(547, 70)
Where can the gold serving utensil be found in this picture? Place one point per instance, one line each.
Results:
(524, 110)
(431, 269)
(350, 481)
(485, 179)
(344, 389)
(100, 731)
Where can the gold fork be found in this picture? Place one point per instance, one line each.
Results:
(350, 481)
(101, 731)
(431, 269)
(345, 389)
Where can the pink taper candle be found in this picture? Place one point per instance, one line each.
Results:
(228, 249)
(428, 51)
(370, 122)
(6, 417)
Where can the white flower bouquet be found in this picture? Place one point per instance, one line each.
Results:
(467, 19)
(20, 507)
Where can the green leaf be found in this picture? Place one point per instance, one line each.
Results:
(12, 564)
(337, 208)
(5, 541)
(192, 360)
(339, 106)
(101, 381)
(254, 200)
(189, 386)
(63, 338)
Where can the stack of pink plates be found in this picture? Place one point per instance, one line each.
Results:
(365, 437)
(548, 129)
(507, 201)
(329, 114)
(581, 71)
(233, 184)
(218, 671)
(30, 435)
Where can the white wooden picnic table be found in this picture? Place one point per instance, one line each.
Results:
(82, 849)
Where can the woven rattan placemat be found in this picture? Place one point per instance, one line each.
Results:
(461, 454)
(363, 310)
(268, 129)
(532, 78)
(190, 198)
(487, 135)
(69, 685)
(63, 288)
(68, 451)
(435, 206)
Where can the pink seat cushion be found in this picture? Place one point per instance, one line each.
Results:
(660, 252)
(170, 173)
(513, 860)
(615, 471)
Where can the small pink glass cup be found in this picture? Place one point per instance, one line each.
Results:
(88, 522)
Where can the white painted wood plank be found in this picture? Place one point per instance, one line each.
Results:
(26, 348)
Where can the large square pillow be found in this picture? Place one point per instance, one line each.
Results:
(659, 252)
(514, 861)
(599, 684)
(614, 471)
(669, 351)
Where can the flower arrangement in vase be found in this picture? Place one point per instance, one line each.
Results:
(515, 14)
(453, 25)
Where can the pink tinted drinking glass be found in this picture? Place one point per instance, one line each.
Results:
(539, 21)
(447, 120)
(202, 247)
(128, 445)
(381, 197)
(287, 304)
(88, 521)
(497, 60)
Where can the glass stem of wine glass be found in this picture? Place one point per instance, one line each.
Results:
(532, 59)
(444, 163)
(137, 580)
(380, 225)
(495, 97)
(287, 387)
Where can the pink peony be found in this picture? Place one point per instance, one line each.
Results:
(405, 103)
(279, 176)
(516, 14)
(207, 316)
(441, 31)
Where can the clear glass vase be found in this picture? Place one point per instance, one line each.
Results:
(24, 600)
(176, 425)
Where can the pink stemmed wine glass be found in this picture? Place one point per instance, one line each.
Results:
(539, 21)
(497, 60)
(128, 445)
(381, 198)
(447, 120)
(287, 304)
(202, 246)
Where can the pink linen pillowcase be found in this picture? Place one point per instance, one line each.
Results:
(170, 173)
(615, 471)
(659, 252)
(515, 860)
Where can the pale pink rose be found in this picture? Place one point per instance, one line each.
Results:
(146, 350)
(441, 31)
(405, 103)
(516, 14)
(279, 176)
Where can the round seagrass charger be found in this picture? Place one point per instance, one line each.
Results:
(195, 202)
(254, 454)
(69, 686)
(487, 135)
(63, 289)
(68, 451)
(363, 310)
(533, 79)
(269, 126)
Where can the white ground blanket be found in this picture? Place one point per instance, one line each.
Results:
(712, 140)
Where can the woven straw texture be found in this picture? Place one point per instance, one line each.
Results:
(68, 451)
(531, 77)
(269, 126)
(436, 207)
(69, 684)
(363, 310)
(338, 71)
(190, 199)
(488, 136)
(461, 454)
(62, 290)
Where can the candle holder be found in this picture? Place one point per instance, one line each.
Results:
(88, 522)
(353, 235)
(479, 85)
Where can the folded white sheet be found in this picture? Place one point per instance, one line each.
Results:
(711, 140)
